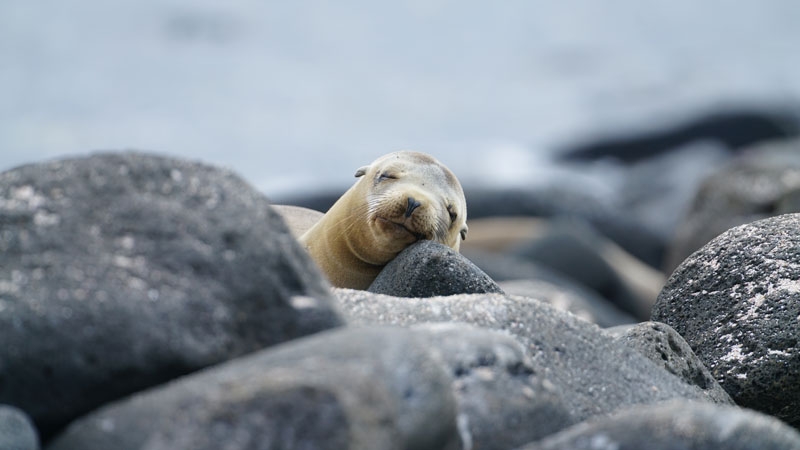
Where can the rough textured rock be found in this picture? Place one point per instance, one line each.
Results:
(365, 388)
(761, 182)
(16, 430)
(663, 345)
(592, 309)
(501, 403)
(736, 301)
(676, 425)
(427, 269)
(121, 271)
(594, 373)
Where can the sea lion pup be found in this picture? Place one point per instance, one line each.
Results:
(399, 199)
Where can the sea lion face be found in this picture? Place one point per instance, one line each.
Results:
(411, 196)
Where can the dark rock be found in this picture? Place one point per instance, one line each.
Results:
(122, 271)
(350, 388)
(736, 301)
(16, 430)
(593, 309)
(577, 252)
(501, 402)
(663, 345)
(761, 182)
(566, 202)
(676, 425)
(595, 374)
(528, 279)
(734, 127)
(428, 269)
(658, 191)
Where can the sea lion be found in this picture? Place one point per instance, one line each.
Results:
(399, 199)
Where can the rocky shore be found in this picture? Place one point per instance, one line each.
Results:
(154, 303)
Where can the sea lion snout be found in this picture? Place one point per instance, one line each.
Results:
(412, 205)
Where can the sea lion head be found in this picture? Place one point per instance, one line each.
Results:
(410, 196)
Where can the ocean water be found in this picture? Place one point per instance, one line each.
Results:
(295, 96)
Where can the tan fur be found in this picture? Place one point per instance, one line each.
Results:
(368, 226)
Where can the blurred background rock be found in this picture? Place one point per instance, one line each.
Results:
(613, 113)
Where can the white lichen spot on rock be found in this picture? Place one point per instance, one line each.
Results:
(44, 219)
(755, 303)
(8, 287)
(779, 353)
(789, 285)
(127, 242)
(176, 175)
(735, 354)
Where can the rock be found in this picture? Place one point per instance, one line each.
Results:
(595, 374)
(528, 279)
(16, 430)
(663, 345)
(501, 403)
(298, 219)
(574, 250)
(759, 183)
(365, 388)
(593, 309)
(565, 201)
(734, 127)
(427, 269)
(676, 425)
(122, 271)
(736, 301)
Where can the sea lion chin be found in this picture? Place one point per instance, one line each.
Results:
(399, 199)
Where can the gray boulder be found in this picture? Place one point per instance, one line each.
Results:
(122, 271)
(428, 269)
(761, 182)
(501, 402)
(592, 309)
(663, 345)
(350, 388)
(736, 301)
(16, 430)
(676, 425)
(517, 276)
(594, 374)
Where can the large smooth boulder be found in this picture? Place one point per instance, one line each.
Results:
(120, 271)
(736, 301)
(594, 373)
(16, 430)
(501, 402)
(676, 425)
(364, 388)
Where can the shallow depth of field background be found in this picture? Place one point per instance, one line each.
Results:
(295, 95)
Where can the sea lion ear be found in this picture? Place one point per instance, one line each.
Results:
(464, 233)
(361, 171)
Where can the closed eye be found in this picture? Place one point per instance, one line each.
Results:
(453, 214)
(386, 176)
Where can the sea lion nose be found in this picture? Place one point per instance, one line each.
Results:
(412, 205)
